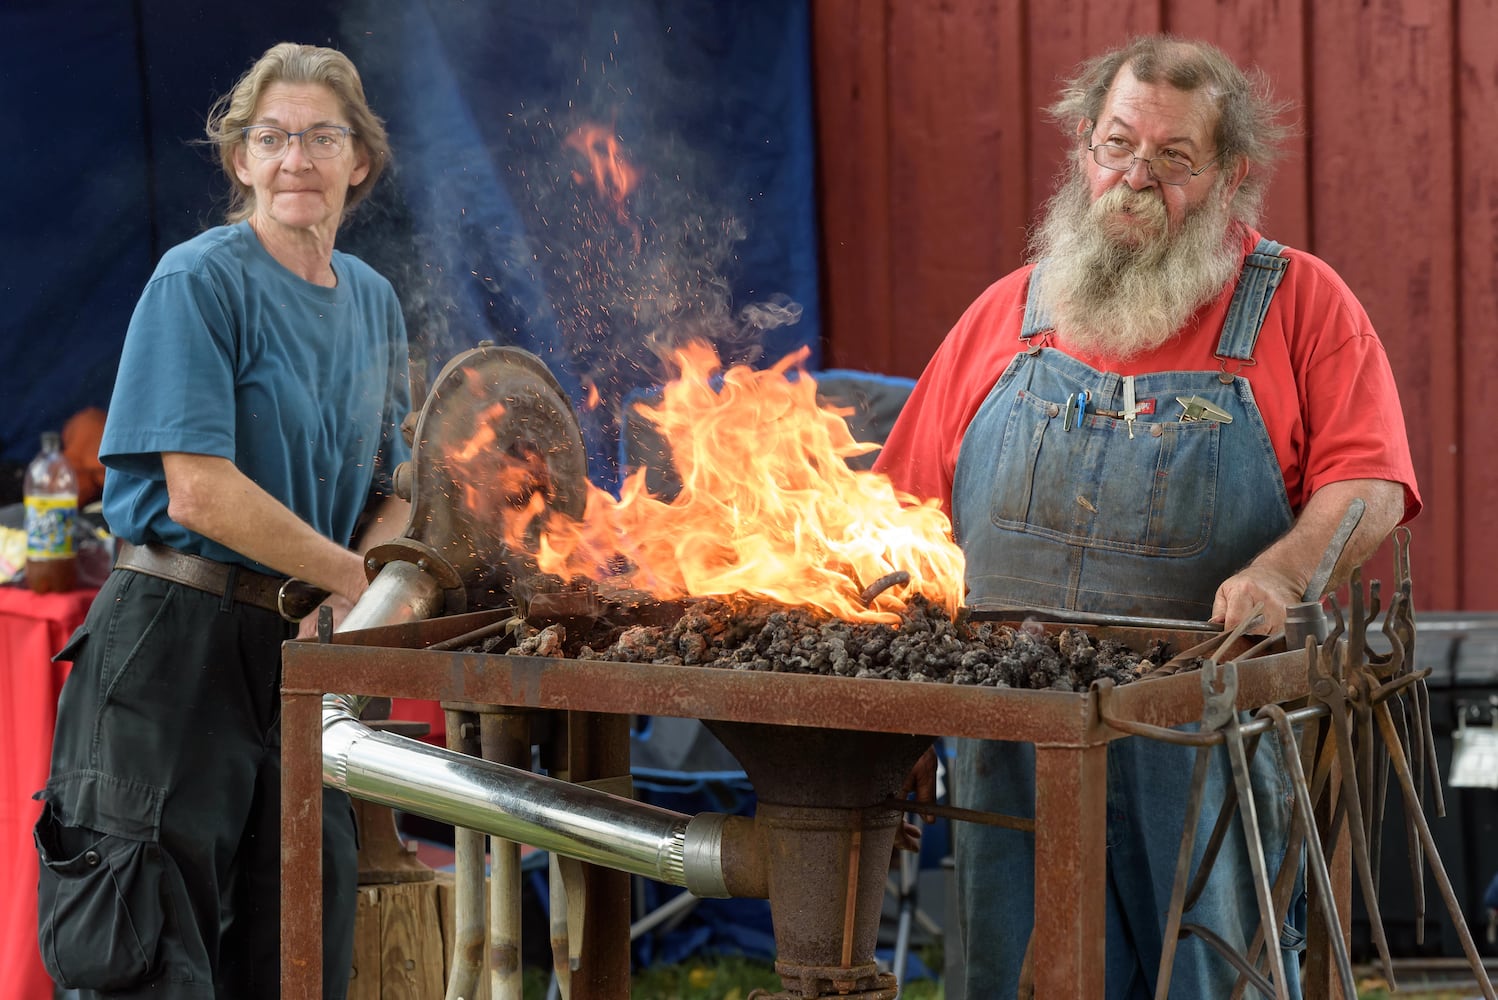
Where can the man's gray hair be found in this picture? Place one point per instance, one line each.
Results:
(1248, 116)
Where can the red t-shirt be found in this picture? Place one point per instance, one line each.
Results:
(1342, 421)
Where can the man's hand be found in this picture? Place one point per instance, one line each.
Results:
(1279, 575)
(921, 781)
(1261, 585)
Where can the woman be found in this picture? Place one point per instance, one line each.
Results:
(255, 416)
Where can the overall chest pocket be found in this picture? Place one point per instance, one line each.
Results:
(1153, 494)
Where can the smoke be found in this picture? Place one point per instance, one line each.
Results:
(779, 311)
(494, 224)
(1033, 628)
(633, 277)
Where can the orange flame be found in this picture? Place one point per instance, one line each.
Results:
(768, 507)
(612, 175)
(483, 437)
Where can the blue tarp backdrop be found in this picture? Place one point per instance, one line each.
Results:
(492, 224)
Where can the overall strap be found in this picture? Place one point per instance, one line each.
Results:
(1036, 319)
(1263, 270)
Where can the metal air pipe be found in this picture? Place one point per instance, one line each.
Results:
(711, 854)
(401, 592)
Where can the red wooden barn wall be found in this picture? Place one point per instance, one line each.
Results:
(935, 155)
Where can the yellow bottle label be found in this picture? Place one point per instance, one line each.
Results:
(49, 527)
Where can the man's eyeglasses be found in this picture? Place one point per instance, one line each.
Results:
(1165, 169)
(321, 142)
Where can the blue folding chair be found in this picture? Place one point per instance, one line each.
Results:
(678, 764)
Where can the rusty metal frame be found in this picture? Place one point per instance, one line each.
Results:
(1066, 728)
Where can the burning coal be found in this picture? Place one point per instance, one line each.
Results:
(927, 646)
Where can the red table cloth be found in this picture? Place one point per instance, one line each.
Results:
(32, 628)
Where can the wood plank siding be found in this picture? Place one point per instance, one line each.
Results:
(935, 155)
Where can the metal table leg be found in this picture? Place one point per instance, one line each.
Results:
(301, 844)
(1071, 801)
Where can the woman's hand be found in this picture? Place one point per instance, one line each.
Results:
(307, 627)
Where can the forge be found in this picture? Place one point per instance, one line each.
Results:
(827, 755)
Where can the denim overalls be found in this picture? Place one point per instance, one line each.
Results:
(1141, 520)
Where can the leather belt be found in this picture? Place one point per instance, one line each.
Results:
(248, 586)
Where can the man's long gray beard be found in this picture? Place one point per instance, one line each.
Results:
(1119, 299)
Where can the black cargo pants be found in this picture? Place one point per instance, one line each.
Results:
(159, 838)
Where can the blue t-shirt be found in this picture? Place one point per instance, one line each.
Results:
(229, 354)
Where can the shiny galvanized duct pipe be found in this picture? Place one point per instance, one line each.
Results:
(571, 820)
(478, 796)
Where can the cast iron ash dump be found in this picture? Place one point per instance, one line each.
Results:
(764, 635)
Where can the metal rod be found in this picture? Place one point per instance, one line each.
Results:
(505, 738)
(1089, 618)
(1219, 834)
(468, 638)
(1284, 881)
(467, 962)
(1237, 961)
(850, 912)
(1330, 688)
(896, 579)
(1183, 872)
(504, 920)
(561, 966)
(1423, 693)
(1407, 786)
(1412, 841)
(957, 812)
(1315, 857)
(909, 869)
(1254, 727)
(1248, 812)
(681, 903)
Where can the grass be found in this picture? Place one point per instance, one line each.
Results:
(729, 978)
(721, 978)
(733, 978)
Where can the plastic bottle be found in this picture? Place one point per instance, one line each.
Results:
(50, 493)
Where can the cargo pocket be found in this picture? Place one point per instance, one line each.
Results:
(100, 895)
(69, 652)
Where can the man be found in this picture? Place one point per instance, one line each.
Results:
(1057, 422)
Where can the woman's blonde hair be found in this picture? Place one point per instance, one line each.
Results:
(289, 62)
